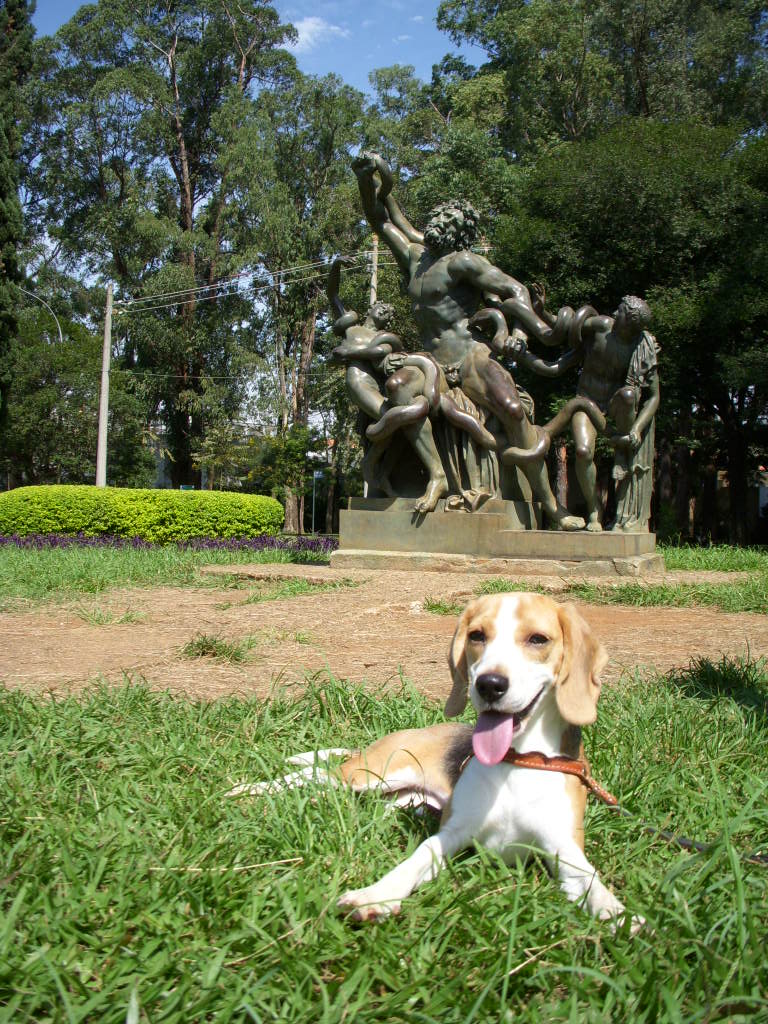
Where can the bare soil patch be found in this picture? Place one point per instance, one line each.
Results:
(373, 632)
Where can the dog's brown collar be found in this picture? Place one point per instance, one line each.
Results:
(566, 765)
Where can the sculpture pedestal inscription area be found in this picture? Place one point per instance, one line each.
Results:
(455, 464)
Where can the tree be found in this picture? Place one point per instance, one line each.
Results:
(16, 34)
(565, 71)
(296, 206)
(672, 212)
(53, 406)
(137, 113)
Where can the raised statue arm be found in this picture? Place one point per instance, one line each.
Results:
(538, 300)
(344, 319)
(381, 210)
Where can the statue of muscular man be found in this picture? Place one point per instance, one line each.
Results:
(448, 284)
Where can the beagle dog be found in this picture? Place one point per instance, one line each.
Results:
(531, 668)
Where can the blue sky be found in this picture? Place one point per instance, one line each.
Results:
(345, 36)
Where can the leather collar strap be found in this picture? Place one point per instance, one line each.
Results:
(567, 765)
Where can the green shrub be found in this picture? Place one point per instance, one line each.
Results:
(153, 515)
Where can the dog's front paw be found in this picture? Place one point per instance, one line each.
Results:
(362, 905)
(618, 917)
(636, 922)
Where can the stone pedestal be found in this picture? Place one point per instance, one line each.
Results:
(500, 538)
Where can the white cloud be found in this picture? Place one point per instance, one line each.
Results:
(401, 39)
(418, 17)
(314, 31)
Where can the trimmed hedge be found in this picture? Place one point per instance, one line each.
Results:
(158, 516)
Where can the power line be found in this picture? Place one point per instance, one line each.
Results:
(253, 290)
(228, 285)
(277, 275)
(32, 295)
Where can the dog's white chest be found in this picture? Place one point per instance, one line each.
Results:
(509, 809)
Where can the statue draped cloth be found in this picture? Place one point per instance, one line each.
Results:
(633, 471)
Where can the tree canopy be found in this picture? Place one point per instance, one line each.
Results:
(612, 147)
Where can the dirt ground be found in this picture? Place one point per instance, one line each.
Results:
(370, 632)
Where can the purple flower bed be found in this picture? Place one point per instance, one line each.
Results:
(297, 545)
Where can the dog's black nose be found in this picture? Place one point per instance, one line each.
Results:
(491, 686)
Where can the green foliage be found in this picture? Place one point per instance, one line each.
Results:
(572, 69)
(131, 127)
(16, 34)
(53, 408)
(153, 515)
(279, 463)
(671, 212)
(224, 909)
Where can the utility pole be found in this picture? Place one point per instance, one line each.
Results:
(374, 269)
(106, 355)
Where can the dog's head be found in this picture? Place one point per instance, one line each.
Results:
(510, 650)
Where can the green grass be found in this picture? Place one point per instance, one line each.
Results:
(33, 576)
(207, 645)
(440, 607)
(718, 558)
(749, 595)
(132, 890)
(500, 585)
(104, 617)
(278, 590)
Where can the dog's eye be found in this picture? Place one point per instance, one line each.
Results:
(537, 639)
(477, 636)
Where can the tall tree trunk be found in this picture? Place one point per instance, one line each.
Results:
(291, 524)
(682, 458)
(301, 393)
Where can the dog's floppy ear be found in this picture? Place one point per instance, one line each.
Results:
(584, 658)
(457, 662)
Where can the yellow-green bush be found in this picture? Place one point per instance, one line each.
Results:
(153, 515)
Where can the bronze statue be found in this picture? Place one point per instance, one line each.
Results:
(447, 284)
(620, 374)
(415, 389)
(365, 352)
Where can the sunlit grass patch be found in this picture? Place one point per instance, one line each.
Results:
(105, 617)
(501, 585)
(437, 606)
(128, 880)
(32, 575)
(715, 558)
(207, 645)
(750, 595)
(740, 595)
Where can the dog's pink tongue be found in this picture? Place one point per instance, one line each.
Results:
(493, 736)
